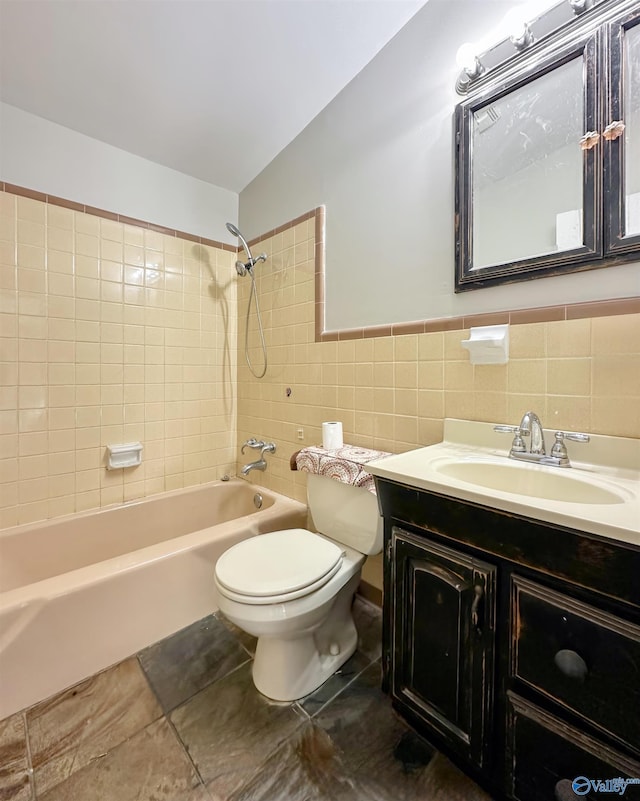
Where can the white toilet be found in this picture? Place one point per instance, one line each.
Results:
(293, 589)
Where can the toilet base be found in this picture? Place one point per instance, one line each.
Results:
(286, 669)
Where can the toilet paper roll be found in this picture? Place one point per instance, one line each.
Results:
(332, 436)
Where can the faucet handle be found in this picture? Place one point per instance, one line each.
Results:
(517, 446)
(575, 436)
(559, 449)
(252, 443)
(268, 447)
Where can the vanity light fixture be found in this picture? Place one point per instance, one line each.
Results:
(470, 65)
(580, 6)
(545, 19)
(523, 39)
(468, 75)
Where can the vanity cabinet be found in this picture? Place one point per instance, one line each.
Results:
(513, 645)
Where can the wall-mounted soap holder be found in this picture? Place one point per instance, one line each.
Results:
(488, 344)
(128, 454)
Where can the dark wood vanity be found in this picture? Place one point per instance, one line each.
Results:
(513, 645)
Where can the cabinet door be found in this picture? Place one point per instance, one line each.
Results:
(622, 136)
(443, 612)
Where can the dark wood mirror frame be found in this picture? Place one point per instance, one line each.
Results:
(598, 37)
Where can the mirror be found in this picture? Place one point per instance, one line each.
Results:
(527, 170)
(548, 155)
(528, 191)
(631, 102)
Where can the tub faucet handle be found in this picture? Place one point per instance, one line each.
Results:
(252, 443)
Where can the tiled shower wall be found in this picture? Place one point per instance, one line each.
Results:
(393, 393)
(110, 333)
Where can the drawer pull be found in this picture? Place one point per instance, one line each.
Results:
(571, 664)
(563, 791)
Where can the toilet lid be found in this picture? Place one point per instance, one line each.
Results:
(278, 563)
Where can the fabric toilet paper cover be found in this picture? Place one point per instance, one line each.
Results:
(342, 464)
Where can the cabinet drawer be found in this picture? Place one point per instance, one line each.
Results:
(583, 658)
(545, 756)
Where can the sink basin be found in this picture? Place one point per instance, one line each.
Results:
(531, 480)
(599, 494)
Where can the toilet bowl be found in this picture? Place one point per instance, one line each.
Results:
(293, 589)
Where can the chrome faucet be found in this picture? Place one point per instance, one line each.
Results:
(530, 425)
(263, 447)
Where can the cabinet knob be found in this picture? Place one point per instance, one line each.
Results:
(614, 130)
(571, 664)
(589, 140)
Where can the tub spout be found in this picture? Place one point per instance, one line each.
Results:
(259, 464)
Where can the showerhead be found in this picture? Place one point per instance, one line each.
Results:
(241, 267)
(231, 228)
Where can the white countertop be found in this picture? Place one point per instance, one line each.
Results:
(609, 464)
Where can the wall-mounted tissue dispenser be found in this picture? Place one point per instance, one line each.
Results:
(488, 344)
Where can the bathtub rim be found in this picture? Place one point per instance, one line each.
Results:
(97, 572)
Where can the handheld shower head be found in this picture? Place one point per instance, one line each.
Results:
(231, 228)
(241, 267)
(244, 268)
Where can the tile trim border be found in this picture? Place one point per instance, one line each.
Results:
(574, 311)
(22, 191)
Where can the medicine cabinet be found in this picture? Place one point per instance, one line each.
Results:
(548, 155)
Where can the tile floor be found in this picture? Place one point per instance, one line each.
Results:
(182, 721)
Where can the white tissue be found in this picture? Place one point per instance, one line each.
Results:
(332, 436)
(633, 214)
(569, 229)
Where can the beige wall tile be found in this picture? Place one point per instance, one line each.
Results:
(568, 413)
(569, 338)
(527, 341)
(528, 376)
(28, 209)
(619, 334)
(616, 375)
(136, 346)
(569, 376)
(617, 416)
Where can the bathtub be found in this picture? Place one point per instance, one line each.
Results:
(79, 593)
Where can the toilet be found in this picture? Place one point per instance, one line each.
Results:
(293, 589)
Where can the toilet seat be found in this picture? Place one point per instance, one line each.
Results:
(276, 567)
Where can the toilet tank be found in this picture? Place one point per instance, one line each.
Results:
(344, 513)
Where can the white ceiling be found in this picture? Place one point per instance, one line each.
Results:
(212, 88)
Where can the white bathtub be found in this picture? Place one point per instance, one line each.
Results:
(79, 593)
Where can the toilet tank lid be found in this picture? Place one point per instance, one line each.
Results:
(277, 562)
(346, 464)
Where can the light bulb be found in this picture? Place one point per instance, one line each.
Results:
(466, 57)
(515, 22)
